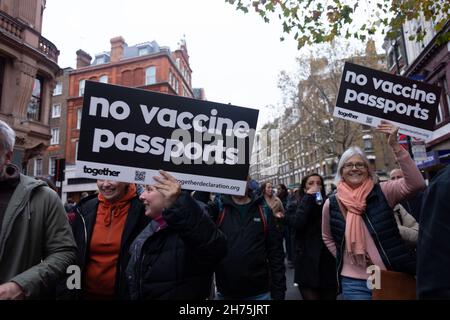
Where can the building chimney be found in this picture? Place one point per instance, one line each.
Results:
(117, 47)
(83, 59)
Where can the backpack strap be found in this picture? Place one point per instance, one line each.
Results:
(220, 217)
(263, 216)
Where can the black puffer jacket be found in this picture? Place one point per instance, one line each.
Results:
(83, 226)
(255, 261)
(176, 262)
(314, 264)
(380, 221)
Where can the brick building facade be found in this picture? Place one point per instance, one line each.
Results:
(145, 66)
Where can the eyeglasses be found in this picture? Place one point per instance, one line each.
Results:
(357, 165)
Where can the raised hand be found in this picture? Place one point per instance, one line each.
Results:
(168, 186)
(391, 132)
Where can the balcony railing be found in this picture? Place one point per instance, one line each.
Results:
(10, 26)
(49, 49)
(16, 29)
(33, 110)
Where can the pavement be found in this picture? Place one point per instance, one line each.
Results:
(292, 292)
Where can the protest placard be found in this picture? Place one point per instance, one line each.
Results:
(129, 134)
(368, 96)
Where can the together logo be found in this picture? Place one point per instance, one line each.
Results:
(104, 171)
(347, 114)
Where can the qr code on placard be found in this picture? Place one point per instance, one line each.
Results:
(139, 175)
(369, 120)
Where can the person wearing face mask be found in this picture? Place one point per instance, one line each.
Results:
(358, 224)
(104, 226)
(314, 264)
(174, 257)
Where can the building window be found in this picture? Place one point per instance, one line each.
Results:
(79, 112)
(37, 167)
(143, 51)
(76, 150)
(56, 110)
(58, 89)
(103, 79)
(150, 75)
(81, 87)
(368, 142)
(52, 166)
(55, 136)
(100, 60)
(170, 78)
(34, 106)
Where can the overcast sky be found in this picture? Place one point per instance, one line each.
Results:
(235, 57)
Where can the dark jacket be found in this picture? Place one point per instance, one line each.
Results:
(254, 263)
(314, 265)
(433, 247)
(177, 261)
(83, 226)
(380, 221)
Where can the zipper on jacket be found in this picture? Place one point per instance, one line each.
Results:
(140, 276)
(28, 210)
(85, 236)
(378, 239)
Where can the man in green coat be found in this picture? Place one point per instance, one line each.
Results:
(36, 242)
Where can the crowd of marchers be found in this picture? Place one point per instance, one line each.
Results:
(163, 243)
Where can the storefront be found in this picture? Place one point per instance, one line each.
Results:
(436, 160)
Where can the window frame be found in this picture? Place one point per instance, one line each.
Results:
(81, 87)
(56, 91)
(150, 74)
(54, 114)
(79, 115)
(55, 138)
(36, 161)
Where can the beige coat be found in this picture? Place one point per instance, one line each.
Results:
(275, 204)
(407, 225)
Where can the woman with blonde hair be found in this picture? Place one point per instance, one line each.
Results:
(358, 224)
(272, 200)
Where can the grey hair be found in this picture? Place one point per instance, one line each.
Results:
(350, 152)
(7, 137)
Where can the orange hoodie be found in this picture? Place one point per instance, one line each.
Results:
(100, 271)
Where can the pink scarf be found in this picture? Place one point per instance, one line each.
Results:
(354, 201)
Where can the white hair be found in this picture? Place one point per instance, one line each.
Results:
(350, 152)
(7, 137)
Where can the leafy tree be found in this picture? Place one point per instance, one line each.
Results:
(313, 90)
(319, 21)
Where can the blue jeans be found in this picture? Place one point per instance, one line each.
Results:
(355, 289)
(262, 296)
